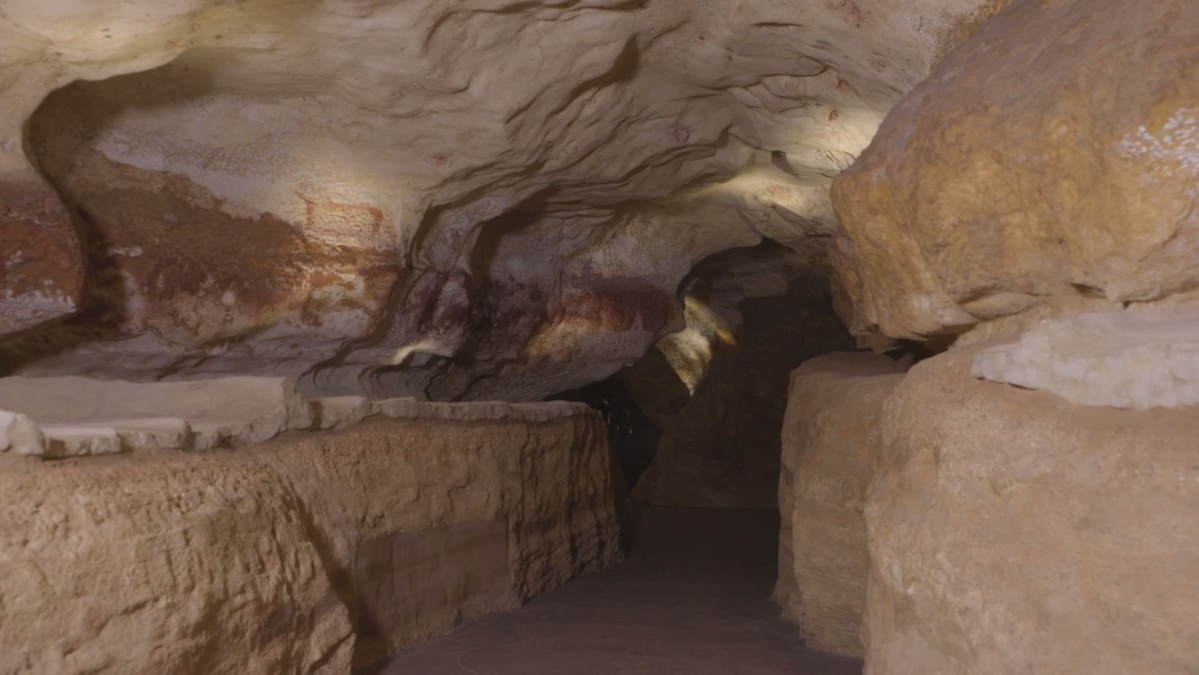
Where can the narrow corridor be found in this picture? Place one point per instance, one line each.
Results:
(693, 598)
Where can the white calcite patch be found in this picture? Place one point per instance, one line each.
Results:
(1124, 359)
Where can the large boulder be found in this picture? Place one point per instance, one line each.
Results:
(1051, 160)
(1012, 531)
(831, 442)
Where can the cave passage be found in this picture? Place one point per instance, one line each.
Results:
(692, 597)
(599, 336)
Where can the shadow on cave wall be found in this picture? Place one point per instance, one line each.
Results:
(718, 445)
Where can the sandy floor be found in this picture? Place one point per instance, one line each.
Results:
(693, 599)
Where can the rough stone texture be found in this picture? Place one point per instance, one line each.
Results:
(303, 555)
(831, 442)
(1126, 359)
(1014, 532)
(721, 448)
(1052, 157)
(500, 511)
(401, 198)
(162, 563)
(199, 414)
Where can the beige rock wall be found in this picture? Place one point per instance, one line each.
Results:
(310, 553)
(466, 200)
(831, 442)
(1049, 161)
(1014, 532)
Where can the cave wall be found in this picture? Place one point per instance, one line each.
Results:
(399, 198)
(313, 552)
(721, 447)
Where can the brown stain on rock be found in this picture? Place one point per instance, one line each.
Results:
(194, 273)
(39, 248)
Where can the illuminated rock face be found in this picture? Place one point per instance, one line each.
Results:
(453, 200)
(1050, 162)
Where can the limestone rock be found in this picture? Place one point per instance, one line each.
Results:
(196, 414)
(312, 553)
(163, 563)
(20, 434)
(1053, 156)
(1124, 359)
(398, 198)
(1014, 532)
(333, 412)
(428, 522)
(831, 442)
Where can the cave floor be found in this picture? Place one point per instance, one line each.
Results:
(693, 598)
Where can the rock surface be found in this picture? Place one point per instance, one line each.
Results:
(1014, 532)
(310, 553)
(464, 200)
(1051, 159)
(832, 439)
(1124, 359)
(163, 563)
(56, 417)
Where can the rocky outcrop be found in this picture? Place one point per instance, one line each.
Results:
(399, 198)
(831, 443)
(1012, 531)
(1050, 161)
(310, 553)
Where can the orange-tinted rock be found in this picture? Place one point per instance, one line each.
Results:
(1053, 156)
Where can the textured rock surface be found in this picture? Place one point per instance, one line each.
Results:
(1014, 532)
(447, 200)
(1053, 157)
(306, 554)
(162, 563)
(1126, 359)
(831, 442)
(427, 523)
(720, 448)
